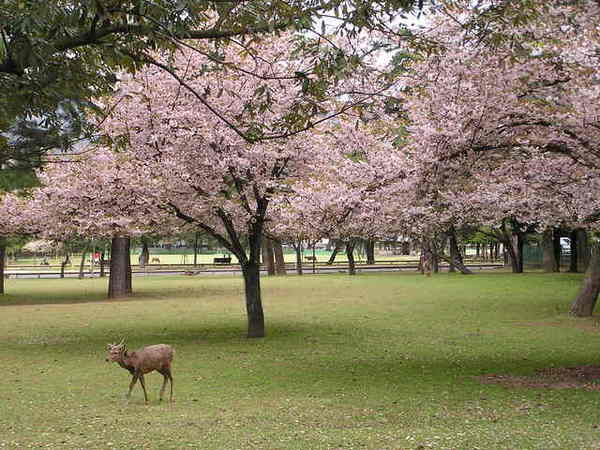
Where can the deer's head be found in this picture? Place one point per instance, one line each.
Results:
(115, 351)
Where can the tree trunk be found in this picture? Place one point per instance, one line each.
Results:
(279, 258)
(453, 250)
(557, 249)
(82, 264)
(350, 254)
(119, 282)
(256, 319)
(268, 256)
(549, 263)
(64, 264)
(298, 249)
(584, 303)
(2, 264)
(102, 265)
(583, 250)
(337, 248)
(456, 259)
(573, 256)
(370, 251)
(514, 241)
(433, 252)
(196, 249)
(145, 254)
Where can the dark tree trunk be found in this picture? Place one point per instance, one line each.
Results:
(196, 248)
(557, 249)
(145, 254)
(279, 258)
(298, 249)
(254, 310)
(584, 303)
(350, 254)
(477, 249)
(82, 264)
(433, 252)
(370, 251)
(119, 282)
(573, 258)
(456, 259)
(583, 250)
(337, 248)
(513, 242)
(549, 263)
(66, 261)
(2, 264)
(516, 253)
(268, 256)
(102, 265)
(453, 250)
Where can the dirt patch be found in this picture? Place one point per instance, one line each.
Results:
(581, 377)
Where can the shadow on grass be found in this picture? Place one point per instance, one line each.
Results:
(96, 292)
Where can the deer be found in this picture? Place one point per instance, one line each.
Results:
(147, 359)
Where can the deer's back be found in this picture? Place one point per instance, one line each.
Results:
(153, 357)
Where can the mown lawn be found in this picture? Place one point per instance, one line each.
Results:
(377, 361)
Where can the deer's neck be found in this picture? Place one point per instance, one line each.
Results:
(125, 361)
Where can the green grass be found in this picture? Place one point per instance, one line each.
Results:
(377, 361)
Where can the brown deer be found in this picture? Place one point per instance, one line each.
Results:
(154, 357)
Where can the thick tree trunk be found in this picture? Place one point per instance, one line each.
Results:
(254, 309)
(549, 262)
(268, 256)
(573, 247)
(196, 235)
(298, 249)
(82, 264)
(66, 261)
(279, 258)
(514, 246)
(119, 282)
(350, 255)
(145, 254)
(370, 251)
(583, 250)
(102, 265)
(584, 303)
(2, 264)
(338, 247)
(433, 252)
(517, 253)
(453, 250)
(456, 259)
(557, 249)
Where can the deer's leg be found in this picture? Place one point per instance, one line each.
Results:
(142, 382)
(132, 384)
(163, 372)
(171, 383)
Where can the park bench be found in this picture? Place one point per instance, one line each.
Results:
(223, 260)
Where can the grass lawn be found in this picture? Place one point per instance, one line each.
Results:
(376, 361)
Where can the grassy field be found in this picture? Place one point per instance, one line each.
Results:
(377, 361)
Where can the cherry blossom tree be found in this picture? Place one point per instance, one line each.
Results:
(191, 158)
(506, 129)
(93, 196)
